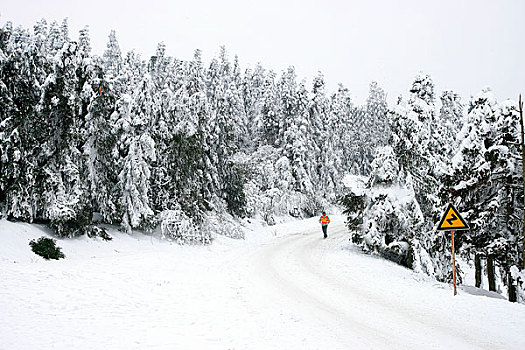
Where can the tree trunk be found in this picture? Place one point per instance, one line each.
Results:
(491, 273)
(477, 264)
(512, 288)
(523, 174)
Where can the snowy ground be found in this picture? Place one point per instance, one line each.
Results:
(283, 287)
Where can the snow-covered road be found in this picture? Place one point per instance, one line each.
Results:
(351, 301)
(286, 290)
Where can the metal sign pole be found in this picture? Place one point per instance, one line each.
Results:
(453, 262)
(450, 221)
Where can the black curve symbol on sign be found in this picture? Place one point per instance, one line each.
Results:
(452, 219)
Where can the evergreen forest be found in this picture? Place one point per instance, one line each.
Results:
(193, 148)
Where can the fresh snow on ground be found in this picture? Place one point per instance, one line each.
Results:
(283, 287)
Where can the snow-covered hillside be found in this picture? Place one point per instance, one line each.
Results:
(284, 287)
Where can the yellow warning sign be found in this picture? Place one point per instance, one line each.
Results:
(452, 220)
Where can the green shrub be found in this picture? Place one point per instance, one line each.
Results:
(46, 248)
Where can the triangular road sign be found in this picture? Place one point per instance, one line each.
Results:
(452, 221)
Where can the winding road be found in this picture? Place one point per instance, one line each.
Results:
(343, 299)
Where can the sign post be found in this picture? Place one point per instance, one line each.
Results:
(453, 262)
(452, 221)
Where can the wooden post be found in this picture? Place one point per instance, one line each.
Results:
(453, 262)
(520, 105)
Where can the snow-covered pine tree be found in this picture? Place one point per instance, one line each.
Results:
(227, 120)
(410, 124)
(160, 69)
(194, 173)
(5, 102)
(84, 43)
(442, 147)
(376, 121)
(22, 71)
(504, 157)
(167, 76)
(234, 172)
(112, 57)
(444, 129)
(293, 135)
(133, 71)
(56, 38)
(388, 215)
(39, 38)
(239, 108)
(301, 147)
(363, 155)
(64, 28)
(321, 157)
(487, 177)
(342, 133)
(101, 140)
(371, 128)
(252, 92)
(377, 109)
(468, 182)
(65, 200)
(132, 121)
(451, 112)
(368, 126)
(287, 94)
(98, 149)
(268, 123)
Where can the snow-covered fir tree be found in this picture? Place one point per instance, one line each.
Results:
(98, 149)
(267, 125)
(411, 125)
(18, 115)
(132, 122)
(63, 106)
(389, 215)
(342, 131)
(112, 57)
(367, 128)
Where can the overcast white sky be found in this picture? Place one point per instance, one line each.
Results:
(464, 44)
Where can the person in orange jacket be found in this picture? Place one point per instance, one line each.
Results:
(324, 220)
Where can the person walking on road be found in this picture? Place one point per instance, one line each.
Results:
(324, 220)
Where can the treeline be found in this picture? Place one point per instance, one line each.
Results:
(138, 142)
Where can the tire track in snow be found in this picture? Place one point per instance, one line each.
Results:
(355, 315)
(405, 314)
(278, 264)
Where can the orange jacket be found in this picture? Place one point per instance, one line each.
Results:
(324, 220)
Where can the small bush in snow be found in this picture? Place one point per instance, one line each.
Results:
(95, 231)
(176, 225)
(222, 224)
(68, 222)
(46, 248)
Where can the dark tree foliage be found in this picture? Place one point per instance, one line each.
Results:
(46, 248)
(353, 209)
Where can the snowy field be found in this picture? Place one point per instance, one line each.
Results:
(284, 287)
